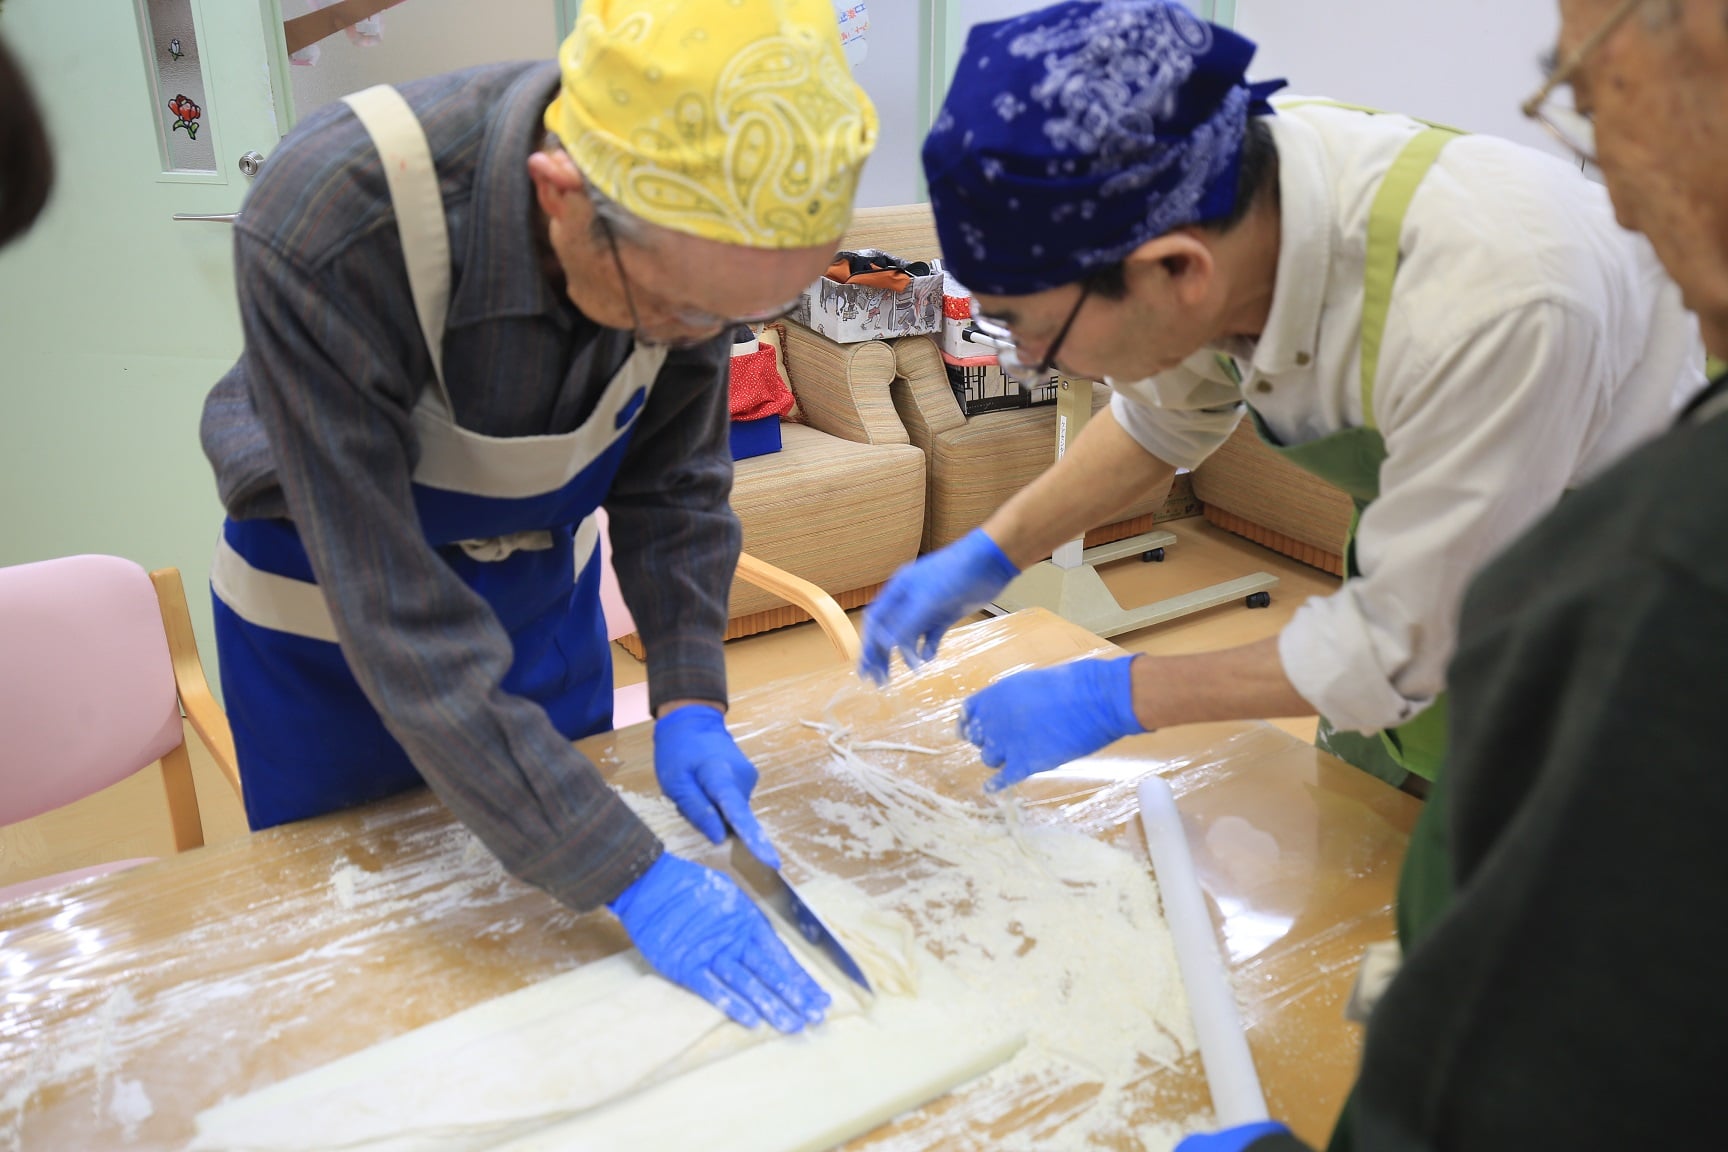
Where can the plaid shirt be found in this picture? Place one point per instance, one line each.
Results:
(312, 424)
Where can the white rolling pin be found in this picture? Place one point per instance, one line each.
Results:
(1230, 1074)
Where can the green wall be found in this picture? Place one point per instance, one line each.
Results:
(115, 320)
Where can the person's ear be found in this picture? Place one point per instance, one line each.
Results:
(1177, 263)
(556, 179)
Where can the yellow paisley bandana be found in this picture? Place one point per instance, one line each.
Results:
(735, 120)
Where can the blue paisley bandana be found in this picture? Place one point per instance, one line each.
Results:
(1076, 133)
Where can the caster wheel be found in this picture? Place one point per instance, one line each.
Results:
(1155, 556)
(1260, 600)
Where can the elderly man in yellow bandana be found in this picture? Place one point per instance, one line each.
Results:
(476, 308)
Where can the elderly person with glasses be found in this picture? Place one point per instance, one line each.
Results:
(1451, 328)
(462, 337)
(1548, 996)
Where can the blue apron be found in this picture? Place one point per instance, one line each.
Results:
(512, 516)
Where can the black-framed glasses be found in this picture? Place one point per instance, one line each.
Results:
(1563, 121)
(1008, 347)
(1055, 349)
(623, 276)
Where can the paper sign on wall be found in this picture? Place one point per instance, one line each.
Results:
(854, 23)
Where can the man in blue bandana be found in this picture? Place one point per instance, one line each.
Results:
(1452, 329)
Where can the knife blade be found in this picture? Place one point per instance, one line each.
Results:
(772, 889)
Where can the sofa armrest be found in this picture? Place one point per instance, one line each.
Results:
(921, 391)
(843, 388)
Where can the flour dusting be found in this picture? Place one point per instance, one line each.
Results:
(1065, 935)
(130, 1106)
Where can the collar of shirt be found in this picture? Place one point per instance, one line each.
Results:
(1307, 218)
(504, 268)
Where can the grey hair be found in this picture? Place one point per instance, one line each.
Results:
(625, 224)
(628, 227)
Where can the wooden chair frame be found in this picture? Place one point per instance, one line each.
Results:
(806, 595)
(200, 709)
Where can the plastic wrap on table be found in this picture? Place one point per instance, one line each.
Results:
(133, 1002)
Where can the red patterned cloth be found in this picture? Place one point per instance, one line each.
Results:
(757, 389)
(957, 307)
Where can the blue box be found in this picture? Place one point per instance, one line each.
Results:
(755, 437)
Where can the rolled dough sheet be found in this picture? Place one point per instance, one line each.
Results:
(617, 1058)
(803, 1094)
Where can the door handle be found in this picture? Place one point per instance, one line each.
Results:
(249, 164)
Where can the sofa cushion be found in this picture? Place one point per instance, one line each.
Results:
(976, 467)
(774, 335)
(840, 514)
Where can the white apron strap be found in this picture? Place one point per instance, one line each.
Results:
(419, 204)
(284, 604)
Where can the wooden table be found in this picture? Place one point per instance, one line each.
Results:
(132, 1003)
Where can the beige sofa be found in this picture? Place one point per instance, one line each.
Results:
(887, 466)
(1248, 489)
(973, 465)
(842, 503)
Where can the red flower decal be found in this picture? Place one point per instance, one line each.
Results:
(187, 113)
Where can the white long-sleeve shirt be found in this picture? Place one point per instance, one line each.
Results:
(1531, 342)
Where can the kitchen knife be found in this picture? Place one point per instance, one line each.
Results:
(771, 888)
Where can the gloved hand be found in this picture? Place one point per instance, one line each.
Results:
(698, 929)
(924, 600)
(1033, 721)
(1238, 1139)
(708, 776)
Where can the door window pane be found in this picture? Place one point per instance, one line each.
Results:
(181, 110)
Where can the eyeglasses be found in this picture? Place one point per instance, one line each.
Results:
(1563, 121)
(1008, 354)
(623, 276)
(687, 317)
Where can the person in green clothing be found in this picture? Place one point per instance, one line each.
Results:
(1452, 329)
(1551, 994)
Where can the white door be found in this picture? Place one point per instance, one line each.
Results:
(115, 317)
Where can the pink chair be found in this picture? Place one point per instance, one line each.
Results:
(96, 661)
(630, 703)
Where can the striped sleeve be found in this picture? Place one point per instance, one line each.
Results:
(333, 389)
(675, 538)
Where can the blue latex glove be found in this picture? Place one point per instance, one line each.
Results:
(699, 930)
(708, 776)
(1238, 1139)
(924, 599)
(1034, 721)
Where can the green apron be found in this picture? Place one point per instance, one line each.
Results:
(1351, 459)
